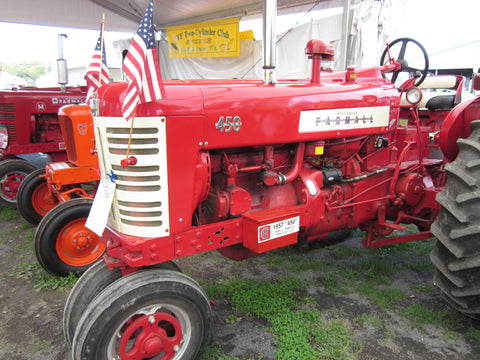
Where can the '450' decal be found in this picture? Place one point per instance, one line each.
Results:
(229, 123)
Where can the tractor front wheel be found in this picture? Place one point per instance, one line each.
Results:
(456, 254)
(91, 283)
(34, 200)
(12, 173)
(62, 242)
(149, 314)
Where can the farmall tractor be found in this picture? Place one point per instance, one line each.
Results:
(29, 124)
(58, 199)
(244, 167)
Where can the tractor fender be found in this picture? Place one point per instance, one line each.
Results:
(457, 125)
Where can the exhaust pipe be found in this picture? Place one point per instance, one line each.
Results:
(269, 41)
(62, 73)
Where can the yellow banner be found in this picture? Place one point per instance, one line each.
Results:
(218, 38)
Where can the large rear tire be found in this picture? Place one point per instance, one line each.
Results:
(34, 200)
(12, 173)
(90, 284)
(62, 242)
(456, 254)
(148, 314)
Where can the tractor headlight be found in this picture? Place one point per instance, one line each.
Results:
(3, 137)
(414, 95)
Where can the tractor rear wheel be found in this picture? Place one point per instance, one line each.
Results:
(12, 173)
(456, 254)
(62, 242)
(34, 200)
(148, 314)
(91, 283)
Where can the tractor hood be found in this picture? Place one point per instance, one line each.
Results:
(272, 111)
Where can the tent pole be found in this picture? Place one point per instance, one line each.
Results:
(345, 28)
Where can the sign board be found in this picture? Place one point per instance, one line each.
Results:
(218, 38)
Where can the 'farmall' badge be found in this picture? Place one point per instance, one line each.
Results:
(343, 119)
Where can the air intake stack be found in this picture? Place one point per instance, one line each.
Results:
(318, 50)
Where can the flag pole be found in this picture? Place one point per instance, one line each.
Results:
(101, 50)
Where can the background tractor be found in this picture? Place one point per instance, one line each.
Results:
(245, 167)
(29, 124)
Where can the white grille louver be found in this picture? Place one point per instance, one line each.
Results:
(140, 204)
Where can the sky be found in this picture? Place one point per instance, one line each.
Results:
(40, 43)
(447, 32)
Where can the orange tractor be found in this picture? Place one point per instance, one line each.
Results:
(58, 199)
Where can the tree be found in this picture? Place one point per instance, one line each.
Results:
(30, 71)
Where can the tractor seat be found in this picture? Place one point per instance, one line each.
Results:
(440, 92)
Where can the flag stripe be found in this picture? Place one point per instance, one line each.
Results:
(97, 71)
(142, 67)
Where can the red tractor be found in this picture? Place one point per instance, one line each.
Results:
(244, 167)
(29, 124)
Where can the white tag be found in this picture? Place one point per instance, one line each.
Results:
(98, 216)
(278, 229)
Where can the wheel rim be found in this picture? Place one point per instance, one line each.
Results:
(42, 200)
(154, 332)
(10, 185)
(78, 246)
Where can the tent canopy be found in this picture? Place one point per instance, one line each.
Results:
(125, 15)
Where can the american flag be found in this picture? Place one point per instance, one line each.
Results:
(97, 72)
(142, 67)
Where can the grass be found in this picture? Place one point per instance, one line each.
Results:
(422, 288)
(33, 272)
(384, 298)
(422, 315)
(367, 272)
(371, 319)
(447, 319)
(299, 333)
(8, 214)
(343, 251)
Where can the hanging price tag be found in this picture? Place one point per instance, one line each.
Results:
(98, 216)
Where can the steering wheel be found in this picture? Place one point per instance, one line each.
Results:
(402, 59)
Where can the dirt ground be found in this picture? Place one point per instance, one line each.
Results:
(31, 319)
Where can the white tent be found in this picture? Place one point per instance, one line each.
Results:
(125, 15)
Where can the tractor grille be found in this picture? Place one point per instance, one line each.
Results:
(140, 205)
(7, 118)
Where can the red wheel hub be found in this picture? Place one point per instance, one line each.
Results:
(11, 184)
(42, 200)
(78, 246)
(150, 335)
